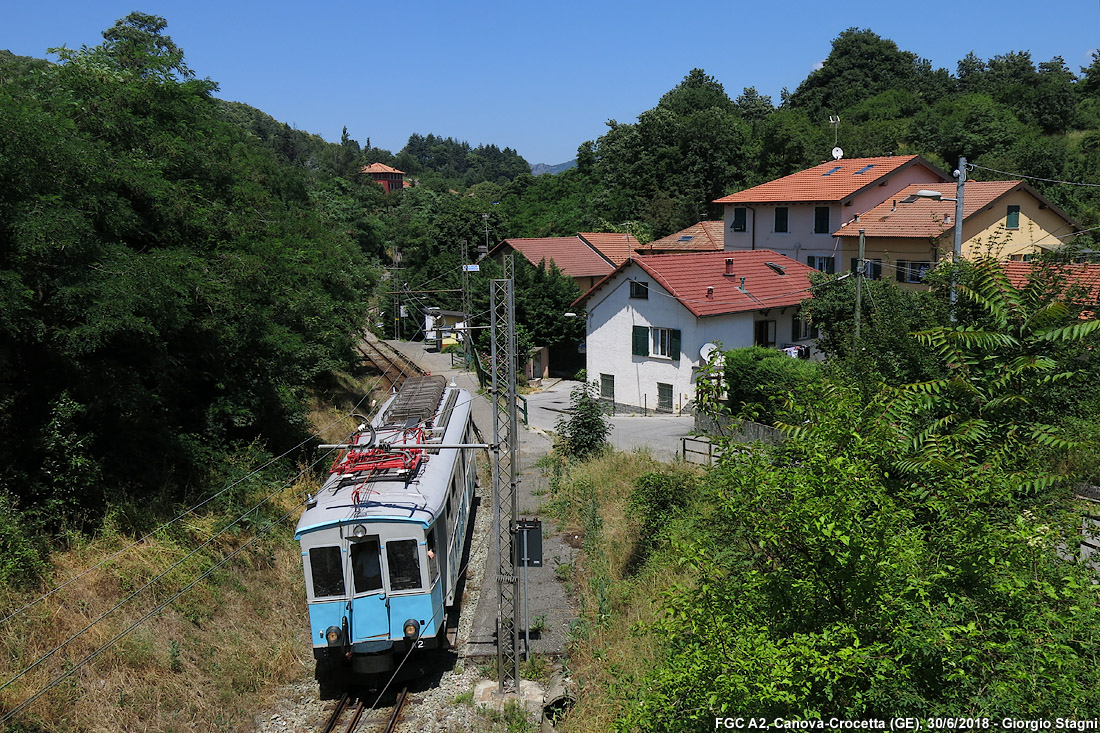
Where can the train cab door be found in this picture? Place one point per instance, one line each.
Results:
(369, 617)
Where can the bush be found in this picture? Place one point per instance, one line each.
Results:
(759, 380)
(583, 434)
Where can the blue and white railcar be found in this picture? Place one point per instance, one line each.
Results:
(382, 542)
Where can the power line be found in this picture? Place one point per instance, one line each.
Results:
(156, 609)
(184, 559)
(1035, 178)
(183, 514)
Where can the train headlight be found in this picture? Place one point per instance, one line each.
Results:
(412, 628)
(360, 531)
(332, 635)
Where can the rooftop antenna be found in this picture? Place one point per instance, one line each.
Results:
(834, 120)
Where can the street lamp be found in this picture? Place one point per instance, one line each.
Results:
(924, 193)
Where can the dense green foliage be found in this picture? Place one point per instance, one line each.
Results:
(910, 554)
(759, 381)
(168, 288)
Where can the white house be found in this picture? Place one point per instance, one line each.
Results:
(796, 215)
(649, 319)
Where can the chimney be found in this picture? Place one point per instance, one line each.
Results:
(742, 288)
(729, 265)
(710, 291)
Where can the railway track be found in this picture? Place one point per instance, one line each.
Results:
(347, 709)
(394, 366)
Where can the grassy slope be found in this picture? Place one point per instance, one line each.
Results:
(614, 591)
(211, 659)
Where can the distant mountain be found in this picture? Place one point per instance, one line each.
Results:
(539, 168)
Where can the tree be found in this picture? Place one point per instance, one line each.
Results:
(583, 434)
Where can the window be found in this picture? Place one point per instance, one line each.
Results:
(664, 397)
(781, 219)
(738, 219)
(433, 560)
(639, 290)
(864, 169)
(366, 570)
(821, 220)
(327, 571)
(1012, 219)
(801, 329)
(662, 342)
(607, 387)
(404, 561)
(912, 272)
(764, 333)
(872, 269)
(831, 171)
(822, 264)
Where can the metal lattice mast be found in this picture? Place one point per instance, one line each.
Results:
(502, 305)
(467, 338)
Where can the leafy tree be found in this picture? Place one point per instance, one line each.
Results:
(759, 382)
(583, 434)
(861, 64)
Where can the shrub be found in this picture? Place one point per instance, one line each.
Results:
(583, 434)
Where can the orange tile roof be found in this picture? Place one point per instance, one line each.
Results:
(612, 245)
(925, 217)
(572, 255)
(831, 181)
(379, 168)
(1082, 280)
(687, 277)
(702, 237)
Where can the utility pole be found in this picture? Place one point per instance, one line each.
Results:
(960, 186)
(505, 507)
(859, 283)
(467, 336)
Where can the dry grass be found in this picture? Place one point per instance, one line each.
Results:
(211, 660)
(615, 595)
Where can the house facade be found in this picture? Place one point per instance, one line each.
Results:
(386, 176)
(796, 215)
(906, 235)
(649, 320)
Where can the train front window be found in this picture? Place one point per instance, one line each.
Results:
(327, 571)
(366, 569)
(404, 561)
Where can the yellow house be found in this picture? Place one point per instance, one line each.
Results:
(903, 240)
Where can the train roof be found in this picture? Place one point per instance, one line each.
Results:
(424, 412)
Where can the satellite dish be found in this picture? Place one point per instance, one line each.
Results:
(837, 153)
(707, 350)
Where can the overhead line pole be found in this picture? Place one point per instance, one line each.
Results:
(505, 515)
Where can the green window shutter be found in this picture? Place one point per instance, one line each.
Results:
(902, 270)
(821, 219)
(640, 345)
(738, 219)
(781, 219)
(796, 323)
(674, 344)
(1012, 221)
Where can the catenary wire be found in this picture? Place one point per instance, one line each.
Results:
(173, 567)
(156, 609)
(183, 514)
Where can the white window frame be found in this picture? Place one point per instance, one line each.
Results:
(660, 342)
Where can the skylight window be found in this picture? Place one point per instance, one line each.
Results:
(687, 237)
(831, 171)
(779, 269)
(864, 169)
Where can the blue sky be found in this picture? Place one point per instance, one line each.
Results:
(538, 77)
